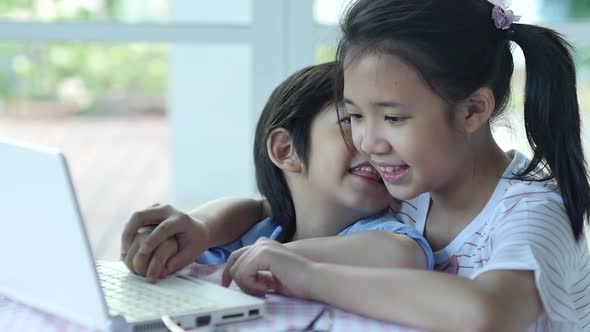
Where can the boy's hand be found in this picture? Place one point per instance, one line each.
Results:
(150, 266)
(268, 266)
(190, 235)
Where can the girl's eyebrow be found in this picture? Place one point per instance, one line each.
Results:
(379, 104)
(388, 104)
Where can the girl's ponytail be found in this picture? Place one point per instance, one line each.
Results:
(552, 118)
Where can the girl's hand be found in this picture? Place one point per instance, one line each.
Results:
(191, 237)
(268, 266)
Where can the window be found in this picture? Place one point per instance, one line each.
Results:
(120, 86)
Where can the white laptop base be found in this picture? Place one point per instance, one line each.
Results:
(44, 243)
(188, 301)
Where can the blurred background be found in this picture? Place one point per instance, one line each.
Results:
(156, 100)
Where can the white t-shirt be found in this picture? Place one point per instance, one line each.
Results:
(524, 226)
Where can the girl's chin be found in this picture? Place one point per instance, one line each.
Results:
(402, 193)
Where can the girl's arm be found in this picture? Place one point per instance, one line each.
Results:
(495, 301)
(385, 249)
(435, 301)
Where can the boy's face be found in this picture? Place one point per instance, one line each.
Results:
(338, 175)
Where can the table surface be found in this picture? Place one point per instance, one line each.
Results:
(281, 313)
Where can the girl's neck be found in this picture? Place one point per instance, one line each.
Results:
(465, 197)
(475, 183)
(468, 189)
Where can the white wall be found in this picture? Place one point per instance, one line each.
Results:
(217, 91)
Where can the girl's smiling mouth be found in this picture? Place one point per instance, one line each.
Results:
(393, 174)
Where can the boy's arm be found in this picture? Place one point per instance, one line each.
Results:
(226, 219)
(369, 249)
(212, 224)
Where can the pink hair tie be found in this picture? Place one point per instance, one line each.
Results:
(503, 18)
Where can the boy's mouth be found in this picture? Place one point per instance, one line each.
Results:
(366, 171)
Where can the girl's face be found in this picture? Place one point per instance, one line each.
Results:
(337, 175)
(403, 126)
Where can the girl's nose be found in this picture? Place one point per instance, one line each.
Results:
(372, 142)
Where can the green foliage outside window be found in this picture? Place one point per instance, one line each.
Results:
(87, 77)
(573, 9)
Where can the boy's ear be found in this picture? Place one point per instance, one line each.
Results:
(281, 151)
(476, 110)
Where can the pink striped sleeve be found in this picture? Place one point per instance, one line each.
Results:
(533, 233)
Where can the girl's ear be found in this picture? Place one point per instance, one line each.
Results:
(281, 151)
(476, 110)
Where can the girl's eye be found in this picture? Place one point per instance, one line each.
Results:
(395, 119)
(345, 119)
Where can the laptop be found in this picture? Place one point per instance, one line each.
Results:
(47, 261)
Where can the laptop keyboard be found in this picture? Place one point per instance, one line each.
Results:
(138, 300)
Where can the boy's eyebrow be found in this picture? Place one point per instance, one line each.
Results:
(348, 101)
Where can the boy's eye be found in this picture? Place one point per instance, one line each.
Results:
(354, 116)
(350, 117)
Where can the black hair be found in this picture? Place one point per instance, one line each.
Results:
(293, 105)
(456, 48)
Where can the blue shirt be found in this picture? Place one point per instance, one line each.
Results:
(267, 228)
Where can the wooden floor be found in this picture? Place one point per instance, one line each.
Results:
(118, 165)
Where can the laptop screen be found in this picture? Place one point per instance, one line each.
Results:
(44, 248)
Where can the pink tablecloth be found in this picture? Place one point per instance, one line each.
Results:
(281, 313)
